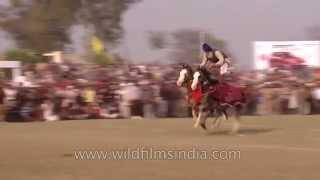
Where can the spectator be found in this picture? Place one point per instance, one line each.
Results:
(316, 99)
(2, 101)
(48, 111)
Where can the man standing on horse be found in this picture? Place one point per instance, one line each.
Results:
(215, 62)
(216, 95)
(214, 66)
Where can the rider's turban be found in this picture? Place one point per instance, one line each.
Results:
(206, 47)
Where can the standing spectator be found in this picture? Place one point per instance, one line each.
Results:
(2, 106)
(148, 100)
(131, 103)
(89, 95)
(316, 99)
(172, 95)
(293, 101)
(48, 111)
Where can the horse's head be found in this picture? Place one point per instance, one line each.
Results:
(185, 75)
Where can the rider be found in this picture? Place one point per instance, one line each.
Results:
(215, 62)
(213, 66)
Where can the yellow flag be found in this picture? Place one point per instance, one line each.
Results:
(97, 45)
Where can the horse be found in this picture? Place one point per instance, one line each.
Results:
(194, 96)
(221, 95)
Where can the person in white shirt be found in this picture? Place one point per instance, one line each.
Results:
(47, 109)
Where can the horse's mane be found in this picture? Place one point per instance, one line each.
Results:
(206, 75)
(188, 67)
(204, 72)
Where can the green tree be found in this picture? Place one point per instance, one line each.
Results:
(158, 40)
(26, 56)
(103, 59)
(44, 24)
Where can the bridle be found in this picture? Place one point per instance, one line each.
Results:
(188, 77)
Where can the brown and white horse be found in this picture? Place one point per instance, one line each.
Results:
(221, 95)
(185, 80)
(194, 95)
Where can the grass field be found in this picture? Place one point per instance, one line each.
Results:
(272, 147)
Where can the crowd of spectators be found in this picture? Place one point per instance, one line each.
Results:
(50, 92)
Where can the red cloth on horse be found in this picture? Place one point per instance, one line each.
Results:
(226, 93)
(222, 92)
(195, 96)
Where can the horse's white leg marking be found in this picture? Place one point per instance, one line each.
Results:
(194, 114)
(198, 120)
(201, 118)
(195, 81)
(182, 77)
(224, 116)
(235, 125)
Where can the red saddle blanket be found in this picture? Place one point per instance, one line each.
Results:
(222, 92)
(195, 96)
(226, 93)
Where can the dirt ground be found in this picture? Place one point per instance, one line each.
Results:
(272, 147)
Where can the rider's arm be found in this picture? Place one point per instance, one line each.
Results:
(228, 61)
(204, 60)
(220, 56)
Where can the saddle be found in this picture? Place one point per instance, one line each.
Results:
(226, 94)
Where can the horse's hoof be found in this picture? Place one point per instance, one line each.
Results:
(195, 126)
(203, 126)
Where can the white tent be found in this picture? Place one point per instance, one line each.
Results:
(15, 67)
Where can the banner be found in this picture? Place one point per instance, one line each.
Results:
(285, 54)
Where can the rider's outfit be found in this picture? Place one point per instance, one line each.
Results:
(214, 62)
(213, 66)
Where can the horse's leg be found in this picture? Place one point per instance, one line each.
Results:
(217, 119)
(202, 117)
(202, 112)
(196, 124)
(225, 116)
(194, 113)
(236, 122)
(217, 114)
(235, 126)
